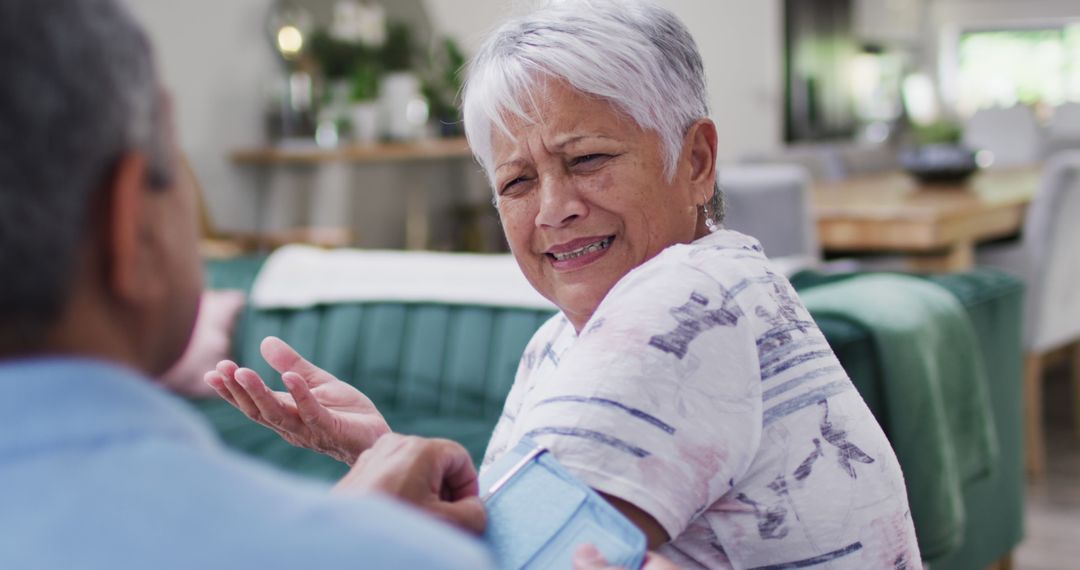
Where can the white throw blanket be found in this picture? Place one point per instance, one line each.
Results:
(297, 276)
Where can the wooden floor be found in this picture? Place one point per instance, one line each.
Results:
(1052, 541)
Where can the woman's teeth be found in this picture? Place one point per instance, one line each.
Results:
(592, 247)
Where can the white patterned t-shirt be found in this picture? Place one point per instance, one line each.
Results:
(702, 392)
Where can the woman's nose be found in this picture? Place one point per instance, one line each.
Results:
(560, 202)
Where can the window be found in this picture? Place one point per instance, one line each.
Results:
(1034, 66)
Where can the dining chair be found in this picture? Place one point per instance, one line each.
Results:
(861, 159)
(1063, 130)
(1011, 134)
(771, 202)
(1047, 256)
(821, 161)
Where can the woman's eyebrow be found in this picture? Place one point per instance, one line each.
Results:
(511, 162)
(560, 144)
(557, 146)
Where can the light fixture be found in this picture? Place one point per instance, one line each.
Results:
(289, 26)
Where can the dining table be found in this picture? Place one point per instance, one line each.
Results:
(934, 226)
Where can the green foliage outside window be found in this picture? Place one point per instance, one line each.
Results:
(1029, 66)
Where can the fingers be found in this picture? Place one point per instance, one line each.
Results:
(284, 358)
(654, 561)
(468, 513)
(308, 408)
(273, 411)
(216, 381)
(587, 557)
(455, 469)
(227, 368)
(239, 397)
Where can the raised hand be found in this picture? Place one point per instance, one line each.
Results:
(318, 412)
(436, 475)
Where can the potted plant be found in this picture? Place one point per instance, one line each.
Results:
(938, 155)
(405, 110)
(364, 111)
(348, 57)
(442, 86)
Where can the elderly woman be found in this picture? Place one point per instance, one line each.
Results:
(682, 379)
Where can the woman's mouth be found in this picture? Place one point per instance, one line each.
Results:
(580, 256)
(590, 248)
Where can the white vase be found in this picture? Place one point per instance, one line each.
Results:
(365, 122)
(404, 108)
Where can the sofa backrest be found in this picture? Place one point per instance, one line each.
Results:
(428, 359)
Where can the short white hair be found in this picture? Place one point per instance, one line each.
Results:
(632, 53)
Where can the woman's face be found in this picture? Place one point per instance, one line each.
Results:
(584, 198)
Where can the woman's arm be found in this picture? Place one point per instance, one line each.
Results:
(655, 534)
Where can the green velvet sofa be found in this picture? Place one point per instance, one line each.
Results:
(441, 370)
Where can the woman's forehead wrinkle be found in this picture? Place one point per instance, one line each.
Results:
(515, 149)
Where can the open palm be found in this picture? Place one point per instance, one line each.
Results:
(318, 412)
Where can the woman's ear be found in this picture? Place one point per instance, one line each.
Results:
(701, 141)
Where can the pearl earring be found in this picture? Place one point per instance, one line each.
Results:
(710, 223)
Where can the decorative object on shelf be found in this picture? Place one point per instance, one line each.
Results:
(291, 114)
(359, 23)
(348, 57)
(360, 71)
(405, 111)
(364, 109)
(441, 86)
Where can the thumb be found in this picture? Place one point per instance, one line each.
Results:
(466, 513)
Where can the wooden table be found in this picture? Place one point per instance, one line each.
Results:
(935, 225)
(417, 226)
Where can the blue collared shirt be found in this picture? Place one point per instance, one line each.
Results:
(101, 469)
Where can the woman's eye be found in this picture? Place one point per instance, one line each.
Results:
(509, 186)
(589, 159)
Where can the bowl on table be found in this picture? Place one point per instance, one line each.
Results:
(939, 164)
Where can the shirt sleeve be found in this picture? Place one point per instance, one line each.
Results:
(501, 436)
(658, 402)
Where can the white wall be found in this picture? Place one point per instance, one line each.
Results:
(216, 59)
(741, 43)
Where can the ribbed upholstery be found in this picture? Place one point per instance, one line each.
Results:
(435, 360)
(432, 369)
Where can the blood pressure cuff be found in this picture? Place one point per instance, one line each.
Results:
(539, 514)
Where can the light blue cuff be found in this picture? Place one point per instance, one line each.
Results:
(539, 514)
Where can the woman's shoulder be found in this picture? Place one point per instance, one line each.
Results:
(553, 329)
(725, 257)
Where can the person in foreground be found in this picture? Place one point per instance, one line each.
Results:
(682, 379)
(101, 277)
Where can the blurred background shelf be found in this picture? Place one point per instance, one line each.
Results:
(433, 149)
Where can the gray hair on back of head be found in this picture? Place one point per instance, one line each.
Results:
(632, 53)
(79, 90)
